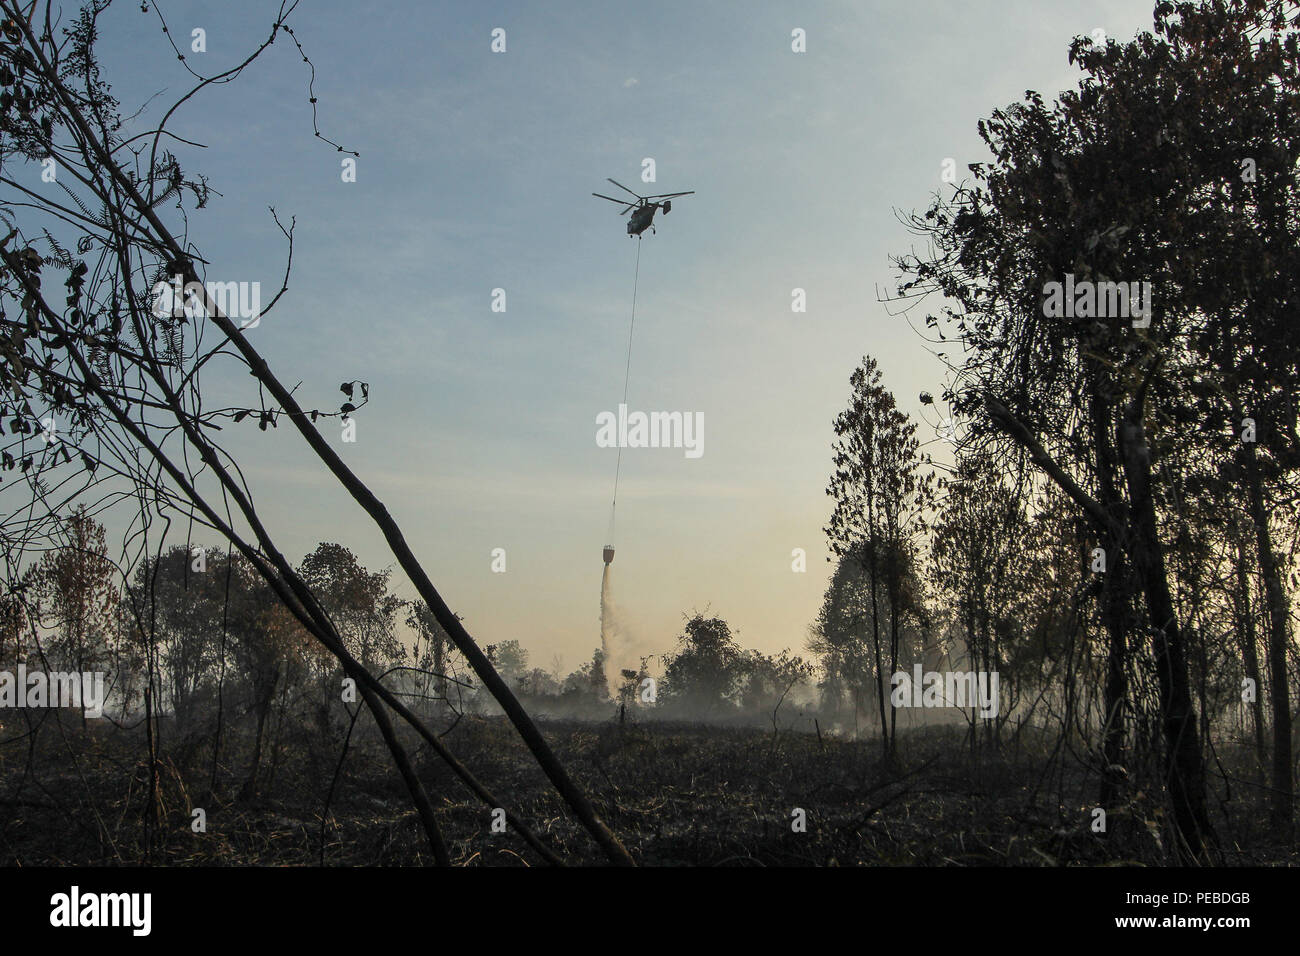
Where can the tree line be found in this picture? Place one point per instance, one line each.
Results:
(1117, 528)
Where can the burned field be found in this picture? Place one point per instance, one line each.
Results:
(675, 794)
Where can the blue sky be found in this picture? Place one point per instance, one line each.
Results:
(475, 173)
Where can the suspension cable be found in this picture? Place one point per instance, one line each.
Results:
(627, 373)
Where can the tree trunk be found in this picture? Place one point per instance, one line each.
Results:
(264, 699)
(440, 669)
(1279, 685)
(893, 657)
(1248, 641)
(1185, 769)
(413, 785)
(1114, 610)
(875, 643)
(972, 655)
(1184, 765)
(151, 812)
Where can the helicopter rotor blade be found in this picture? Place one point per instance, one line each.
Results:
(624, 188)
(621, 202)
(671, 195)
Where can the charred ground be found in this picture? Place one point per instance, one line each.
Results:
(676, 794)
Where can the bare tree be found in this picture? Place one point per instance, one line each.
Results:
(123, 376)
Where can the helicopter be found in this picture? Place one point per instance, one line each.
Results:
(645, 208)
